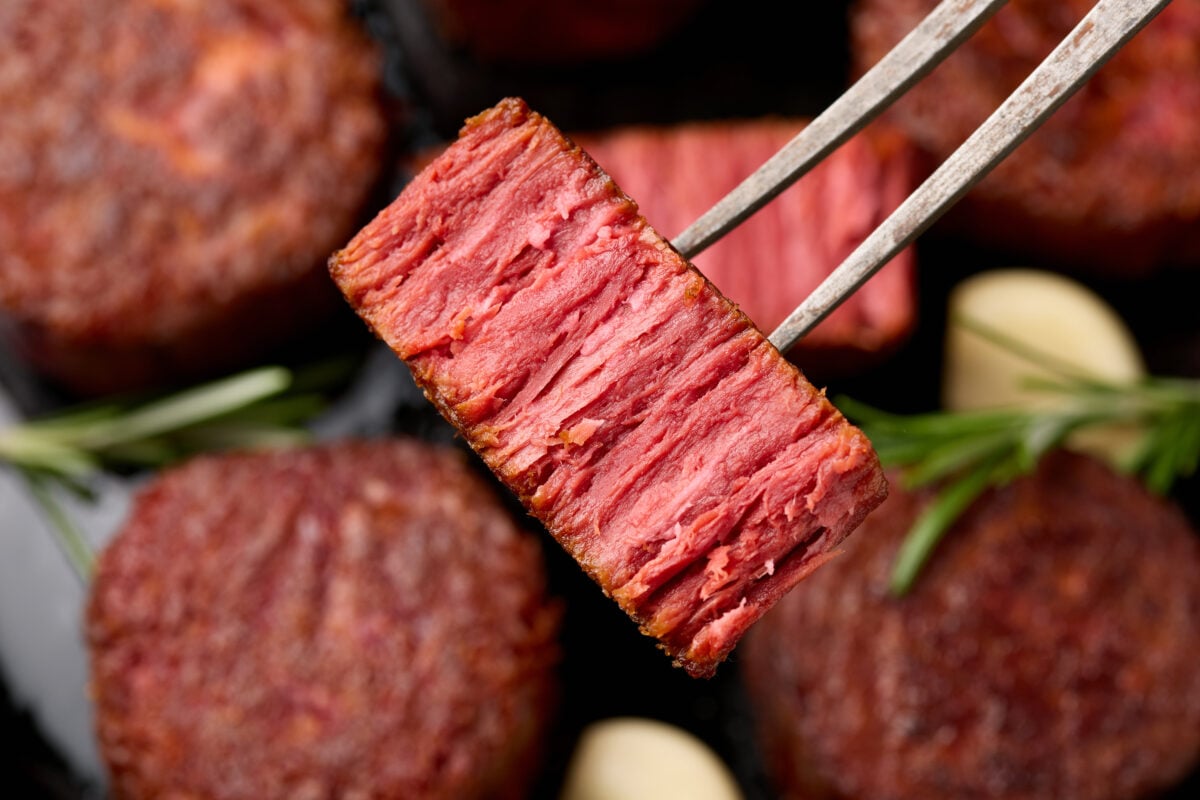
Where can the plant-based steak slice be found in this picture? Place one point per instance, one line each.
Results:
(661, 439)
(775, 259)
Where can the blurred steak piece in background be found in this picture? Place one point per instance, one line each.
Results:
(173, 176)
(556, 32)
(771, 262)
(1110, 182)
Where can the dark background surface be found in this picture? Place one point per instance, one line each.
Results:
(732, 59)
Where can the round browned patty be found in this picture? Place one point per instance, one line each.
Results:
(1111, 180)
(1049, 650)
(173, 176)
(356, 620)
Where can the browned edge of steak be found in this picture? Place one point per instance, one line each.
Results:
(485, 363)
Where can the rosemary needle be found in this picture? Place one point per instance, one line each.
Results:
(962, 454)
(64, 451)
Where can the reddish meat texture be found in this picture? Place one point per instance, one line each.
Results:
(693, 472)
(357, 619)
(1048, 650)
(173, 177)
(1110, 182)
(775, 259)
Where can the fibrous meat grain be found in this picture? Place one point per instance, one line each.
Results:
(693, 472)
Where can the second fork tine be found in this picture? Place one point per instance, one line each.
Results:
(920, 51)
(1085, 49)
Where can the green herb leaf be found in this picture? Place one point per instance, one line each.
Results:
(70, 539)
(965, 453)
(935, 520)
(64, 451)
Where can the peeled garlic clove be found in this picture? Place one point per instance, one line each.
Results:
(1048, 313)
(643, 759)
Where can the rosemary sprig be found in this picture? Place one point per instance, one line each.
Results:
(66, 451)
(965, 453)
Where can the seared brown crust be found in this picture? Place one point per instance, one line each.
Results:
(637, 413)
(353, 620)
(1049, 650)
(1110, 181)
(175, 177)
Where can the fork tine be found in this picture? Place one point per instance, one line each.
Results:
(1099, 34)
(951, 22)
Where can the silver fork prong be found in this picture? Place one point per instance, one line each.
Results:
(1101, 33)
(928, 44)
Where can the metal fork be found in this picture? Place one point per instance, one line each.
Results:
(1094, 40)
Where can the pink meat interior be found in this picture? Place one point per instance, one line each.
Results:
(693, 472)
